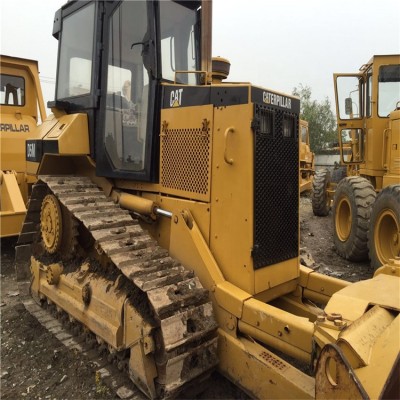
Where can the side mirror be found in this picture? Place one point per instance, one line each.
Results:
(348, 106)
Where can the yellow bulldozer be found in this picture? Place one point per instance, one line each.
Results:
(165, 218)
(307, 158)
(21, 106)
(366, 203)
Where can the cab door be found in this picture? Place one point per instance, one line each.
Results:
(350, 92)
(126, 142)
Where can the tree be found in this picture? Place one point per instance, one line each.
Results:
(320, 118)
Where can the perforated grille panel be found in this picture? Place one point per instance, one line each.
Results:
(186, 160)
(276, 186)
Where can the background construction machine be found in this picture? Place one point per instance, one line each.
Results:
(154, 164)
(21, 105)
(307, 159)
(366, 204)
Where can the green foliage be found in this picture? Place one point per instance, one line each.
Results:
(320, 118)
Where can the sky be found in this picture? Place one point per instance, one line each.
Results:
(277, 44)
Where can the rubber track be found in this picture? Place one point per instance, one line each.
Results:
(173, 293)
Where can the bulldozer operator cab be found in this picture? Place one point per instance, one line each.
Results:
(179, 124)
(142, 44)
(364, 102)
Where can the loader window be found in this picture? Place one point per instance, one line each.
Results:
(352, 145)
(180, 42)
(349, 95)
(368, 97)
(388, 89)
(76, 52)
(12, 90)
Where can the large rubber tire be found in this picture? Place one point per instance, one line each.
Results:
(352, 204)
(384, 232)
(319, 197)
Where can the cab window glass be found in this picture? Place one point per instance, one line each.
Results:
(368, 106)
(12, 90)
(127, 87)
(349, 93)
(388, 89)
(179, 41)
(352, 145)
(76, 54)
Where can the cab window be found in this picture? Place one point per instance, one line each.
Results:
(76, 53)
(12, 90)
(349, 95)
(368, 97)
(180, 44)
(388, 89)
(127, 96)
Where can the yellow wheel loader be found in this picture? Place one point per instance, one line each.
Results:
(21, 105)
(165, 218)
(366, 204)
(307, 159)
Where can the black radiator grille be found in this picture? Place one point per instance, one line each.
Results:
(276, 186)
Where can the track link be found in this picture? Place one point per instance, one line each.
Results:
(185, 331)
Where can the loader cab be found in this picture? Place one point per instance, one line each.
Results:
(112, 65)
(364, 103)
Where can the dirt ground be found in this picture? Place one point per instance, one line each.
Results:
(36, 365)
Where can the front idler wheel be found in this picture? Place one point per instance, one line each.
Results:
(58, 228)
(51, 224)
